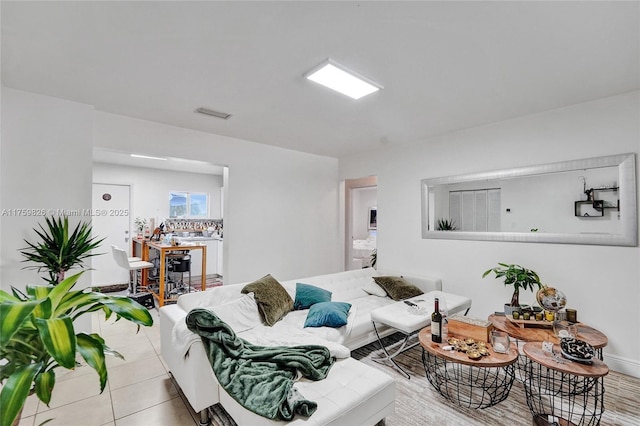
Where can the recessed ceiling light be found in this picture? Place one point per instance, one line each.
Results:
(148, 157)
(341, 79)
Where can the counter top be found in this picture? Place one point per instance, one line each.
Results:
(188, 239)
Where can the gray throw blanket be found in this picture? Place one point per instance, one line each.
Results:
(260, 378)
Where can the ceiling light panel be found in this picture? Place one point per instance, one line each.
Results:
(341, 79)
(148, 157)
(213, 113)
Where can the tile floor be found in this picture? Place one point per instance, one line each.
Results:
(139, 391)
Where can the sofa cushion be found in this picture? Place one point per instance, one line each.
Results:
(328, 314)
(307, 295)
(374, 289)
(397, 287)
(241, 314)
(272, 299)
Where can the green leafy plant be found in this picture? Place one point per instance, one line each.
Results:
(517, 276)
(38, 336)
(58, 251)
(140, 223)
(446, 225)
(374, 258)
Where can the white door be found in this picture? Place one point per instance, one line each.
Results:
(111, 207)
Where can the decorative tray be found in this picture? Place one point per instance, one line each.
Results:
(530, 322)
(577, 350)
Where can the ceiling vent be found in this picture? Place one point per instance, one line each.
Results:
(213, 113)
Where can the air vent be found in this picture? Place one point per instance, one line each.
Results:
(213, 113)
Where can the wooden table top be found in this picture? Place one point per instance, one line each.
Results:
(494, 359)
(534, 351)
(530, 334)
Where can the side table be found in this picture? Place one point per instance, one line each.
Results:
(563, 392)
(594, 337)
(463, 381)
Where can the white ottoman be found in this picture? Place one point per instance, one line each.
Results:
(353, 394)
(409, 321)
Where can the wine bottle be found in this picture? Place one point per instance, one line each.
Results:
(436, 323)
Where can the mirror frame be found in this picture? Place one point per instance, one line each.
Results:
(628, 206)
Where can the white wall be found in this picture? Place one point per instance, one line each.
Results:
(150, 188)
(281, 206)
(363, 200)
(601, 282)
(46, 168)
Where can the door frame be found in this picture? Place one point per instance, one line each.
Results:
(349, 186)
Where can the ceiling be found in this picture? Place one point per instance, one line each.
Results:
(444, 66)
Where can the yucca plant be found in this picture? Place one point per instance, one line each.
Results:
(37, 336)
(58, 251)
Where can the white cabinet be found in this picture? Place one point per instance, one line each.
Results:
(214, 258)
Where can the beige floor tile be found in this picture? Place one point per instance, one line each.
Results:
(26, 420)
(73, 390)
(126, 338)
(135, 371)
(170, 413)
(94, 411)
(30, 406)
(131, 353)
(140, 396)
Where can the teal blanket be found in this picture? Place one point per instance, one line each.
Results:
(260, 378)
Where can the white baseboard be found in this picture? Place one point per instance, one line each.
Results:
(622, 365)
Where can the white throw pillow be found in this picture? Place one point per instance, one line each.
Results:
(241, 314)
(372, 288)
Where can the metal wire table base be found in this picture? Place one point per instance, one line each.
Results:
(468, 386)
(560, 398)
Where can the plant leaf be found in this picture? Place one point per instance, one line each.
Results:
(58, 337)
(12, 315)
(45, 382)
(92, 350)
(15, 391)
(62, 289)
(129, 309)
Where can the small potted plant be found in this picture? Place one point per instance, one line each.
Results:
(140, 223)
(446, 225)
(519, 277)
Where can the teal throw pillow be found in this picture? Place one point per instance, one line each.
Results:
(328, 314)
(307, 295)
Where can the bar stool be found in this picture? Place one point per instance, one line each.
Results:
(130, 259)
(122, 259)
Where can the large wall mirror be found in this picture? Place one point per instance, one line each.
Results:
(588, 201)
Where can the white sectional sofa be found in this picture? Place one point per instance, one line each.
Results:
(353, 393)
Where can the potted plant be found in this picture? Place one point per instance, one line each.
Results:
(517, 276)
(140, 223)
(38, 336)
(374, 258)
(446, 225)
(58, 251)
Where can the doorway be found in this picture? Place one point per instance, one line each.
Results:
(360, 222)
(113, 226)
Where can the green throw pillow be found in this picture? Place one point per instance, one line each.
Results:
(397, 287)
(272, 299)
(328, 314)
(307, 295)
